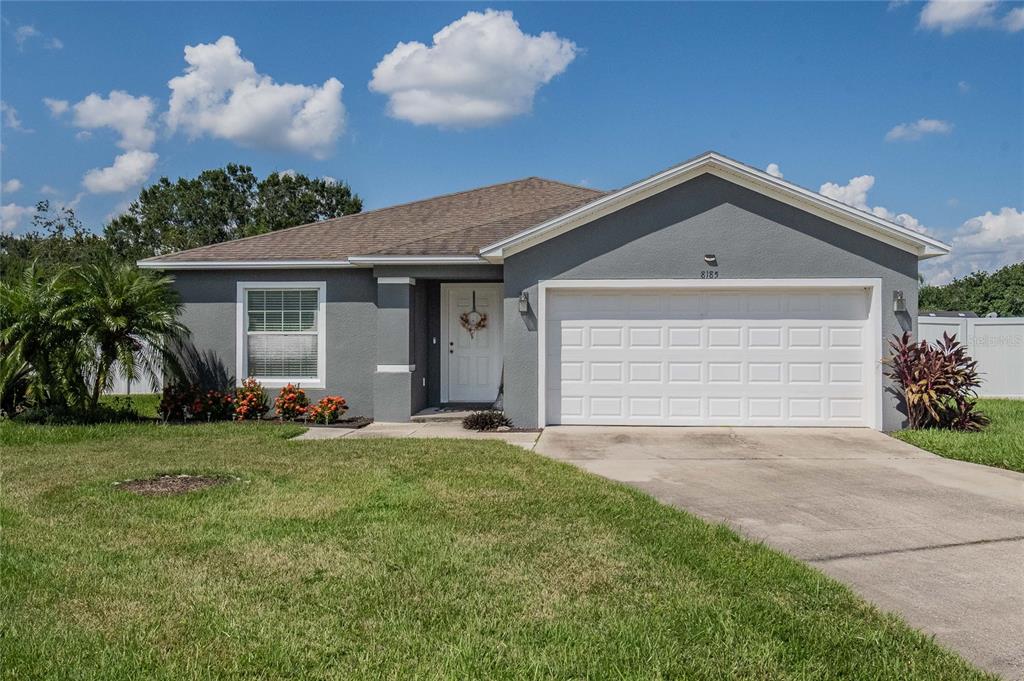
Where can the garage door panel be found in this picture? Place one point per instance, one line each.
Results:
(692, 358)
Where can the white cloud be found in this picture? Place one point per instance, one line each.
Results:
(774, 170)
(83, 135)
(11, 120)
(222, 95)
(855, 193)
(12, 185)
(1014, 20)
(57, 107)
(950, 16)
(28, 32)
(287, 173)
(480, 69)
(986, 242)
(130, 169)
(122, 112)
(48, 190)
(911, 132)
(118, 210)
(11, 216)
(964, 87)
(23, 34)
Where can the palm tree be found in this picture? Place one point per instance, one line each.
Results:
(131, 319)
(41, 326)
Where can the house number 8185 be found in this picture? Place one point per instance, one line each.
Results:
(709, 274)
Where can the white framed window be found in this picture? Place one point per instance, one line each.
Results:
(280, 331)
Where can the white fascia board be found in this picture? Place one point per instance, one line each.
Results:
(835, 211)
(150, 264)
(417, 260)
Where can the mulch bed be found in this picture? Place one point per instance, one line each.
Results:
(353, 422)
(172, 484)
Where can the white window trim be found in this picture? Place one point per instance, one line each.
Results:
(241, 333)
(874, 287)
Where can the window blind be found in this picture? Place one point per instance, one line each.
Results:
(282, 333)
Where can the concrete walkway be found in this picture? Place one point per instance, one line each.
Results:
(940, 542)
(408, 430)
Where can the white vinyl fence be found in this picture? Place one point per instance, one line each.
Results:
(996, 343)
(143, 384)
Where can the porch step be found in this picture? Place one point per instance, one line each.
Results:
(444, 414)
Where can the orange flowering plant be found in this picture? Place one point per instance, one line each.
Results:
(328, 410)
(250, 400)
(291, 402)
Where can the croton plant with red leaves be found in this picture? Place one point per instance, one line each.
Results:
(937, 382)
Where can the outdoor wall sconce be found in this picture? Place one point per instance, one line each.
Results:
(524, 302)
(899, 303)
(710, 259)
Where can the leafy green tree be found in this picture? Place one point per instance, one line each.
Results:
(130, 317)
(287, 200)
(221, 205)
(1001, 292)
(58, 238)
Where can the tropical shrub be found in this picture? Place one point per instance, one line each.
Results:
(71, 326)
(328, 410)
(15, 378)
(937, 383)
(251, 400)
(41, 322)
(188, 402)
(291, 402)
(490, 419)
(175, 401)
(213, 405)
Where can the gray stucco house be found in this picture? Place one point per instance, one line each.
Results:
(708, 294)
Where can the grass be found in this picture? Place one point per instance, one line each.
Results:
(1001, 444)
(145, 404)
(396, 559)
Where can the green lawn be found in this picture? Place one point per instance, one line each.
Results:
(1001, 444)
(146, 404)
(396, 559)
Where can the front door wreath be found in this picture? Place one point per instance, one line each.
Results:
(473, 320)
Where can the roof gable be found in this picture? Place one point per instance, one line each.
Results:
(740, 174)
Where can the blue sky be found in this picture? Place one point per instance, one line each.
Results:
(598, 94)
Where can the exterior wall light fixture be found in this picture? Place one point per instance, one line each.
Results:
(524, 302)
(899, 303)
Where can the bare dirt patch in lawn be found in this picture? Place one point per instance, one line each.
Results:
(172, 484)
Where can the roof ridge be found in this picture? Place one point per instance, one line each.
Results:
(454, 230)
(567, 184)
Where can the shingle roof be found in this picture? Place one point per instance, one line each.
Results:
(452, 224)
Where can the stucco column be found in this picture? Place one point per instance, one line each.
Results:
(392, 382)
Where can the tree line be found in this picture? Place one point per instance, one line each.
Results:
(1001, 292)
(218, 205)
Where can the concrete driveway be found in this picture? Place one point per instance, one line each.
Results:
(940, 542)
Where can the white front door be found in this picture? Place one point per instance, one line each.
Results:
(471, 362)
(704, 357)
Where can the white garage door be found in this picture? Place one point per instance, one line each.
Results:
(704, 357)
